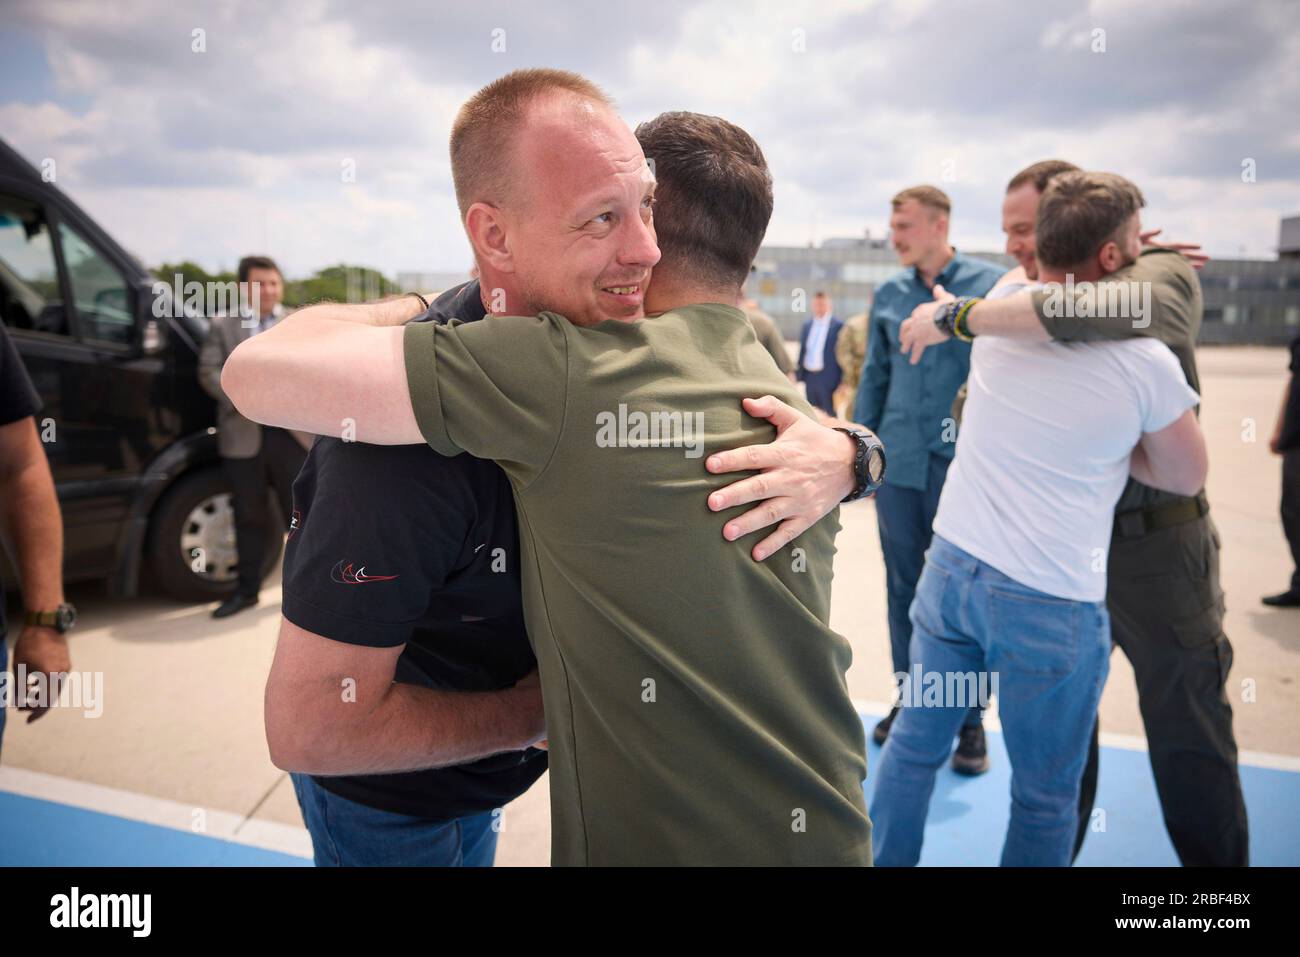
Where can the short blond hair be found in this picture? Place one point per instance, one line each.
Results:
(930, 197)
(482, 137)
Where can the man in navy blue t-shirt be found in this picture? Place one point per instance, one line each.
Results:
(403, 679)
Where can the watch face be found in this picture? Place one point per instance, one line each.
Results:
(876, 464)
(67, 617)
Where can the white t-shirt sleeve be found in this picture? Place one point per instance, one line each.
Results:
(1163, 392)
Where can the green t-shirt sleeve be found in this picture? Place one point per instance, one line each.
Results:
(495, 388)
(1174, 289)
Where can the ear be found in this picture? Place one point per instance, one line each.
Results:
(490, 236)
(1109, 257)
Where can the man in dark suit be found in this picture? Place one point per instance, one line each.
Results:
(253, 457)
(818, 370)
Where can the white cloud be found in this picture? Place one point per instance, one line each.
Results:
(209, 155)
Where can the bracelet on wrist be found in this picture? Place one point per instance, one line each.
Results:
(961, 321)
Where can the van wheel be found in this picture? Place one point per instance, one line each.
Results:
(191, 546)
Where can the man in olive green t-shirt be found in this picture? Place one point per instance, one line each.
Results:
(700, 688)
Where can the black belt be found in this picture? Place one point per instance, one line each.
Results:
(1142, 521)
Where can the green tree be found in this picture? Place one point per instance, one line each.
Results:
(341, 283)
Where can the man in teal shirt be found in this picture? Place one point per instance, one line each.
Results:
(909, 407)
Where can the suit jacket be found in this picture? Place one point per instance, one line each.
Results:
(829, 364)
(237, 437)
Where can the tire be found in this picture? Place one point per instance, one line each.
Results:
(193, 514)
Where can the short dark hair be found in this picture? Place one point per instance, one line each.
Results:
(1041, 173)
(249, 263)
(713, 197)
(1079, 213)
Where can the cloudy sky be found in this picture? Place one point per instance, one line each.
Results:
(240, 147)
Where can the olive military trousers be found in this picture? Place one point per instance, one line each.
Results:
(1166, 610)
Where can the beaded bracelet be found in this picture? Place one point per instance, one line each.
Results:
(960, 327)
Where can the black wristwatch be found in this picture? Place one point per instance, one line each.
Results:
(61, 619)
(868, 463)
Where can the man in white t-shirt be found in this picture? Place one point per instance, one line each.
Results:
(1014, 583)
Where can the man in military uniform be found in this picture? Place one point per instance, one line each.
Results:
(769, 336)
(850, 353)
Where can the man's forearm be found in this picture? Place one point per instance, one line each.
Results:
(304, 325)
(35, 526)
(415, 728)
(1177, 477)
(329, 369)
(1174, 458)
(393, 311)
(1011, 316)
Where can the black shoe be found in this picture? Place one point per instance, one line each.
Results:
(1288, 599)
(972, 756)
(233, 605)
(881, 731)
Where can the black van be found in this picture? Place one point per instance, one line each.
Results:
(130, 435)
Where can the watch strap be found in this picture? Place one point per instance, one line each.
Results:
(61, 619)
(860, 475)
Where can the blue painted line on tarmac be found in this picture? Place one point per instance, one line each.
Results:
(966, 826)
(968, 816)
(34, 832)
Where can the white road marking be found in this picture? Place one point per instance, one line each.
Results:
(221, 825)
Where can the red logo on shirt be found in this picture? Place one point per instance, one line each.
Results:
(344, 575)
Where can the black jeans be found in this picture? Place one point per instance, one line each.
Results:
(1166, 612)
(275, 465)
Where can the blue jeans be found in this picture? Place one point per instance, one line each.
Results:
(1050, 657)
(347, 834)
(906, 520)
